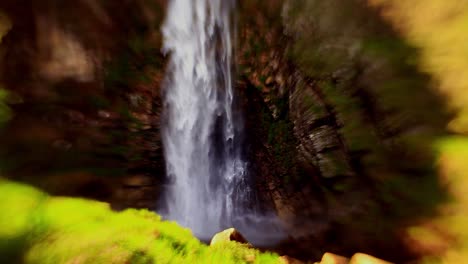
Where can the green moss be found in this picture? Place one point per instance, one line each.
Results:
(37, 228)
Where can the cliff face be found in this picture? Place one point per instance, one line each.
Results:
(347, 124)
(83, 80)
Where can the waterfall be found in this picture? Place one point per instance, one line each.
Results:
(208, 187)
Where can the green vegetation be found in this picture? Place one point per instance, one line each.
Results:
(449, 230)
(37, 228)
(437, 28)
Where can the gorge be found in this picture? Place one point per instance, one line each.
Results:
(308, 125)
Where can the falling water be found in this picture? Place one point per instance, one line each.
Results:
(208, 188)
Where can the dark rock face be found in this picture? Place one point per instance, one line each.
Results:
(342, 125)
(85, 77)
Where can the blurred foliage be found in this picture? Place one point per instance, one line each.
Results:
(451, 227)
(37, 228)
(439, 29)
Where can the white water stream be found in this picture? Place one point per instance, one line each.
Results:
(208, 188)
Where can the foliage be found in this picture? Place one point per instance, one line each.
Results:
(37, 228)
(438, 28)
(449, 230)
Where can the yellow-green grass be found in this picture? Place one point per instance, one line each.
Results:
(37, 228)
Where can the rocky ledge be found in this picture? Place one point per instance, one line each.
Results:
(232, 235)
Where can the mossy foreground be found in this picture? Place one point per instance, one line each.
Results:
(37, 228)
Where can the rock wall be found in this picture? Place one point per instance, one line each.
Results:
(83, 82)
(344, 124)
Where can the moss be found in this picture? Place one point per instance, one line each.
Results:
(37, 228)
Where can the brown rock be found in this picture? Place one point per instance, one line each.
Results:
(107, 114)
(230, 234)
(289, 260)
(138, 181)
(360, 258)
(269, 81)
(329, 258)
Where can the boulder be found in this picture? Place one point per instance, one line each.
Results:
(360, 258)
(329, 258)
(227, 235)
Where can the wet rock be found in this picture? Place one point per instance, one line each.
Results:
(329, 258)
(138, 181)
(142, 117)
(61, 53)
(108, 114)
(360, 258)
(269, 81)
(227, 235)
(62, 144)
(75, 117)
